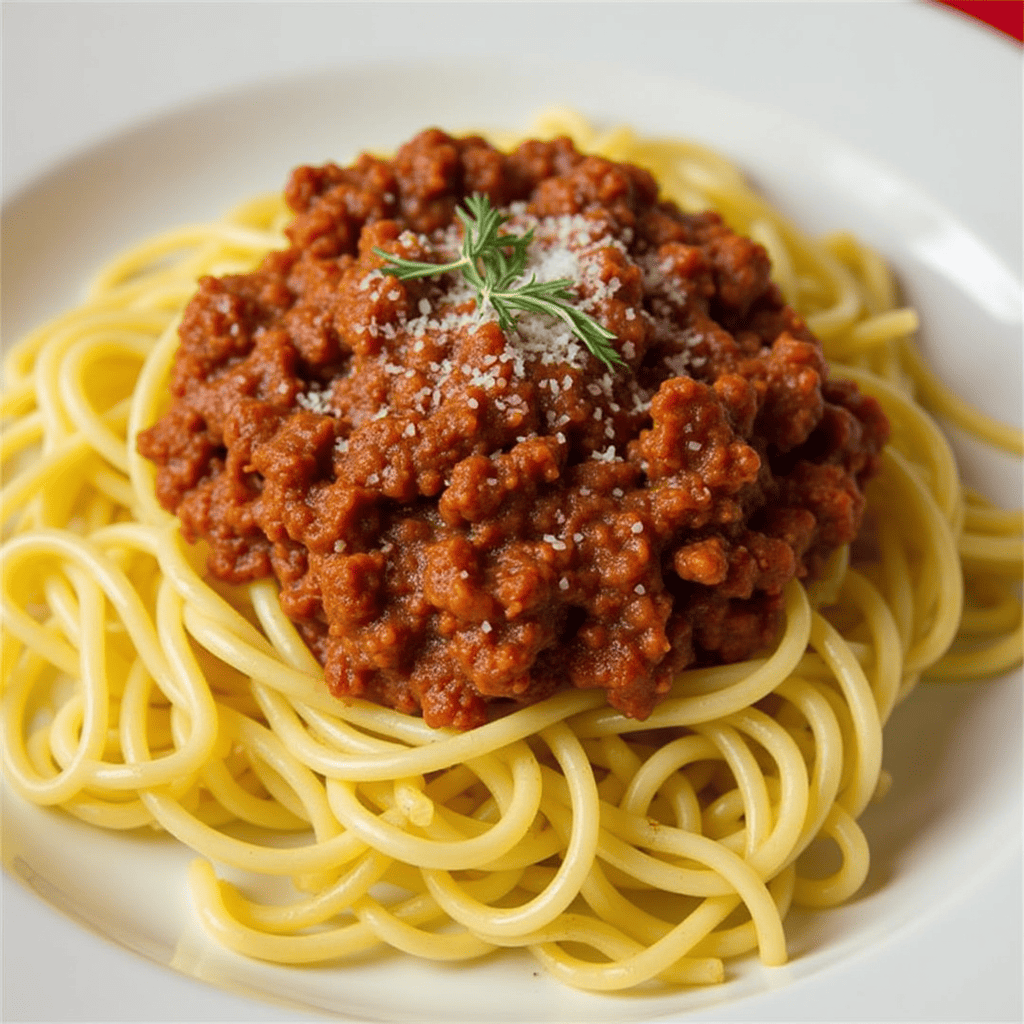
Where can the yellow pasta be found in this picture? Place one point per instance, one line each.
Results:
(138, 694)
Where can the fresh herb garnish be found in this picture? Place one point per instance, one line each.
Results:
(493, 263)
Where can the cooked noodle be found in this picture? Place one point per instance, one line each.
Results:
(138, 693)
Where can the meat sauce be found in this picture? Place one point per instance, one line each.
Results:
(463, 519)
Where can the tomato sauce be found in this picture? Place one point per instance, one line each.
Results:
(463, 518)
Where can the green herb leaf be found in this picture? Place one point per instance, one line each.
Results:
(493, 263)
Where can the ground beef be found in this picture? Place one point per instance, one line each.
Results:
(461, 517)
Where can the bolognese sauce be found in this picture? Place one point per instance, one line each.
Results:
(462, 517)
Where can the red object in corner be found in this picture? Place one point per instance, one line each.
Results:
(1006, 16)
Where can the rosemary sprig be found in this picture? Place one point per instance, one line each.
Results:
(493, 263)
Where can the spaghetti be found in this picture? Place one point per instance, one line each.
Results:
(139, 693)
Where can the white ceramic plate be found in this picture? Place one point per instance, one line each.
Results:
(946, 842)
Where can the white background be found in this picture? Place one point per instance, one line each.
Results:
(881, 75)
(913, 86)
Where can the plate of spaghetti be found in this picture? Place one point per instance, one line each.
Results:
(493, 547)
